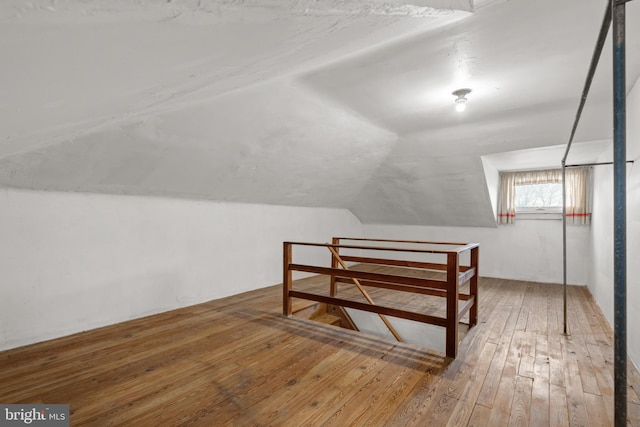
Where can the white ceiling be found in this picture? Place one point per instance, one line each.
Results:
(297, 102)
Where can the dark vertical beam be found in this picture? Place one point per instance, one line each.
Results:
(287, 305)
(333, 290)
(473, 287)
(453, 291)
(619, 214)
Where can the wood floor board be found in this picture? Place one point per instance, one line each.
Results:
(633, 380)
(573, 386)
(525, 308)
(466, 404)
(596, 316)
(492, 380)
(556, 360)
(554, 309)
(479, 417)
(501, 405)
(280, 412)
(527, 351)
(263, 382)
(237, 362)
(463, 372)
(371, 396)
(541, 368)
(398, 392)
(559, 412)
(633, 413)
(603, 377)
(587, 374)
(521, 406)
(596, 410)
(342, 368)
(431, 395)
(439, 399)
(540, 403)
(423, 392)
(439, 413)
(537, 320)
(495, 316)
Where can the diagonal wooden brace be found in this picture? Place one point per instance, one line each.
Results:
(365, 294)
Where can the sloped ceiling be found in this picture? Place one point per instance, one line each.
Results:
(309, 103)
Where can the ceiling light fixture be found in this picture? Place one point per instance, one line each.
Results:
(461, 100)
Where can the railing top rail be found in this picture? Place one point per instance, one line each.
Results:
(367, 239)
(466, 247)
(462, 246)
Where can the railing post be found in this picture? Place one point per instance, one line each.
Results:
(473, 287)
(453, 278)
(333, 291)
(287, 306)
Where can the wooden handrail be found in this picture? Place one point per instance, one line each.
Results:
(419, 242)
(390, 249)
(466, 306)
(404, 314)
(464, 277)
(461, 246)
(405, 280)
(397, 287)
(400, 263)
(365, 294)
(404, 288)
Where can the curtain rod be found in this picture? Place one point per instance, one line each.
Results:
(593, 164)
(576, 165)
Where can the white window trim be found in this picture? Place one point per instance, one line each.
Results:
(542, 213)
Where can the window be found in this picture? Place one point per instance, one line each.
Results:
(539, 198)
(536, 194)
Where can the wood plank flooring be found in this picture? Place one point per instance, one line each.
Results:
(237, 362)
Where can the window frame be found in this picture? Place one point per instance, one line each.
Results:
(535, 212)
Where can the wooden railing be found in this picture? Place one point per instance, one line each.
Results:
(457, 303)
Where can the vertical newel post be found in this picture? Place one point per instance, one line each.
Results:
(453, 278)
(473, 287)
(334, 264)
(287, 306)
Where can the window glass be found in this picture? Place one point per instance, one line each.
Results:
(539, 196)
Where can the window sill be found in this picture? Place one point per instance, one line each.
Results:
(539, 216)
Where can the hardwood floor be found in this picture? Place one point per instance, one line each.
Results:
(238, 362)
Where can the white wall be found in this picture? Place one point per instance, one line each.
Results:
(72, 262)
(492, 177)
(528, 250)
(601, 272)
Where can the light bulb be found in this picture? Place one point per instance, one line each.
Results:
(461, 100)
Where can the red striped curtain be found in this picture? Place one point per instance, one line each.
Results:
(506, 198)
